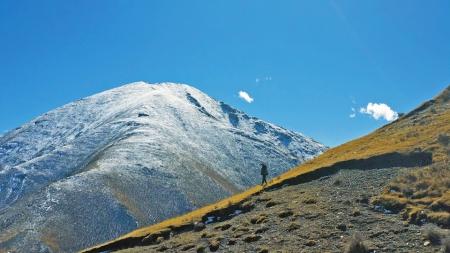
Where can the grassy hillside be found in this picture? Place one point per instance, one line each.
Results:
(422, 131)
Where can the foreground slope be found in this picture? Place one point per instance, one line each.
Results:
(128, 157)
(412, 142)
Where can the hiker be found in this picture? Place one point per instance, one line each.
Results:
(264, 173)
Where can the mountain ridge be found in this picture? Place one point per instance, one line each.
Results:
(135, 154)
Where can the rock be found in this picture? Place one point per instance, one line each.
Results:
(199, 226)
(271, 203)
(426, 243)
(293, 226)
(141, 114)
(149, 239)
(261, 230)
(309, 201)
(252, 238)
(310, 243)
(231, 242)
(363, 199)
(243, 229)
(214, 245)
(376, 234)
(263, 199)
(162, 248)
(258, 219)
(247, 206)
(225, 227)
(342, 227)
(263, 250)
(200, 249)
(160, 239)
(187, 247)
(207, 235)
(309, 216)
(337, 182)
(157, 237)
(285, 214)
(356, 213)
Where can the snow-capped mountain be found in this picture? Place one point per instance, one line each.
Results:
(127, 157)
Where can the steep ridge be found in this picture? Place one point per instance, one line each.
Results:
(410, 142)
(129, 157)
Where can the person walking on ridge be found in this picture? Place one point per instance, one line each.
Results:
(264, 173)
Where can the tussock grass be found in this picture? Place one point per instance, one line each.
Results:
(446, 245)
(356, 245)
(432, 235)
(423, 195)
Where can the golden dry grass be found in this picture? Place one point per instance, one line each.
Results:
(422, 195)
(418, 130)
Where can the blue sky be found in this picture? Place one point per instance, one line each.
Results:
(320, 58)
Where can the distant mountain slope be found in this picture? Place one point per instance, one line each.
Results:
(131, 156)
(413, 141)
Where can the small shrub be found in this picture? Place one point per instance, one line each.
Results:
(411, 178)
(356, 245)
(391, 203)
(444, 139)
(309, 201)
(432, 235)
(201, 249)
(422, 185)
(214, 245)
(337, 182)
(407, 192)
(440, 218)
(446, 245)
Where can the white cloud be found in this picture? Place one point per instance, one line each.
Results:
(245, 96)
(353, 114)
(379, 111)
(263, 79)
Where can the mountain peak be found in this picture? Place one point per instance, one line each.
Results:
(140, 153)
(145, 86)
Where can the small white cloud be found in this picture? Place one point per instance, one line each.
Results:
(353, 114)
(263, 79)
(379, 111)
(245, 96)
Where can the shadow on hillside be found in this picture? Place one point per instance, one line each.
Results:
(389, 160)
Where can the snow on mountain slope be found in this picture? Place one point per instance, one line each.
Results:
(128, 157)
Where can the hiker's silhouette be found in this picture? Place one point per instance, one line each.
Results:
(264, 173)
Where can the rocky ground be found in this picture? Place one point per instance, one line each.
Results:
(318, 216)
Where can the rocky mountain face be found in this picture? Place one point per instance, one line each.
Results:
(135, 155)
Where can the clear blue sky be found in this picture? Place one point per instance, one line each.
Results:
(323, 57)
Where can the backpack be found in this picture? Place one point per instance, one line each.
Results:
(264, 170)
